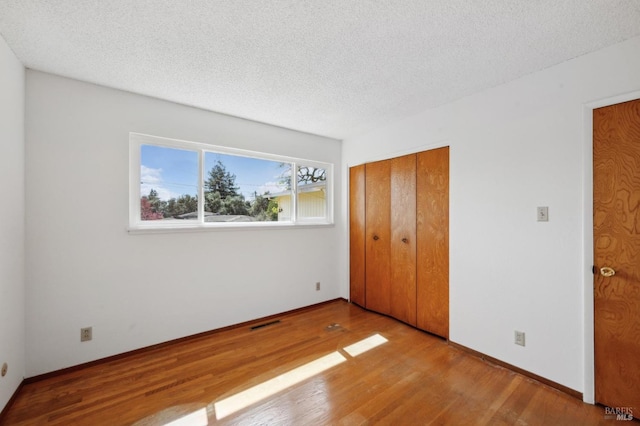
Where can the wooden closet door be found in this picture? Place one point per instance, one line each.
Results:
(433, 241)
(378, 236)
(357, 234)
(403, 238)
(616, 221)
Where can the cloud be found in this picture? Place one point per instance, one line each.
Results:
(152, 179)
(149, 175)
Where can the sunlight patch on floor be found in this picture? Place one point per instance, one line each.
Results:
(197, 418)
(240, 400)
(266, 389)
(364, 345)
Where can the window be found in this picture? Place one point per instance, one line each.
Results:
(178, 184)
(312, 191)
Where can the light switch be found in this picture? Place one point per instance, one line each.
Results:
(543, 214)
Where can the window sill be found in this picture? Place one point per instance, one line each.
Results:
(143, 229)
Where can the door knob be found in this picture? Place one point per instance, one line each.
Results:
(376, 238)
(405, 240)
(606, 271)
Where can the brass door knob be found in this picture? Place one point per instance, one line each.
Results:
(606, 271)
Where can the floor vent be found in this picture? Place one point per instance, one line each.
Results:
(266, 324)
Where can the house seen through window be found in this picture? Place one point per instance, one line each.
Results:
(182, 185)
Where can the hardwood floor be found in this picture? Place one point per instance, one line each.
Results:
(413, 378)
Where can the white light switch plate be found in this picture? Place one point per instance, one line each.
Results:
(543, 214)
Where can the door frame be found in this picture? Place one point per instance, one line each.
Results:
(589, 389)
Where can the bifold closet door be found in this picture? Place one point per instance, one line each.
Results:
(433, 242)
(403, 238)
(378, 236)
(357, 234)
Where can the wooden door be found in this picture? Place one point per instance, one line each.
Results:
(357, 234)
(616, 232)
(433, 241)
(378, 236)
(403, 238)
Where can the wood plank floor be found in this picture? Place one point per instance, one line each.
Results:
(413, 378)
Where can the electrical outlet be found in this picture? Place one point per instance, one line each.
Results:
(86, 334)
(519, 338)
(5, 368)
(318, 286)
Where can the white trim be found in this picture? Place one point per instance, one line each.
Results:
(226, 226)
(144, 139)
(134, 182)
(588, 392)
(136, 225)
(201, 173)
(294, 194)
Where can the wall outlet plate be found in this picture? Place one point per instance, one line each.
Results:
(86, 334)
(519, 338)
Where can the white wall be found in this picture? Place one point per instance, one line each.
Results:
(513, 148)
(12, 323)
(84, 269)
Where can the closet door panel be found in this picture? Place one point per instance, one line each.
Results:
(433, 241)
(378, 236)
(357, 234)
(403, 238)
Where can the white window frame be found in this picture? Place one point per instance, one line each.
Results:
(136, 224)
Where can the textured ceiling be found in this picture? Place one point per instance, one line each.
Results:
(329, 67)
